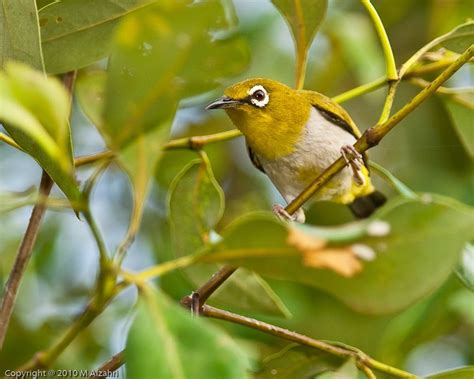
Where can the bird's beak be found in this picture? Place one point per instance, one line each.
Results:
(224, 102)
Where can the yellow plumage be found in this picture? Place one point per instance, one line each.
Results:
(293, 135)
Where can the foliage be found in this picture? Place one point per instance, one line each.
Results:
(391, 285)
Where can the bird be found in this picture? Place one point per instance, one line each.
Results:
(292, 136)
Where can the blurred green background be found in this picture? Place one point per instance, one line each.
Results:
(425, 152)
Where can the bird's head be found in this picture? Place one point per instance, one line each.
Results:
(269, 114)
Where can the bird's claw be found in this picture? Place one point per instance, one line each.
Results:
(355, 161)
(282, 214)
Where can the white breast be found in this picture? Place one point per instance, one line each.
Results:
(319, 146)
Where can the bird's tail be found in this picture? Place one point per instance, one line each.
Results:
(364, 206)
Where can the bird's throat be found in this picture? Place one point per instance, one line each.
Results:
(269, 138)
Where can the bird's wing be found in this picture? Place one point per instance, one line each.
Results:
(332, 112)
(254, 159)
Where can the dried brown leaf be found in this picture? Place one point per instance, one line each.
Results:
(340, 260)
(303, 241)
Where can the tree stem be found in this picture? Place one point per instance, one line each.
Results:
(111, 365)
(361, 358)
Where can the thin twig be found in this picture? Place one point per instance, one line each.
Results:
(113, 364)
(286, 334)
(198, 142)
(374, 135)
(368, 372)
(22, 258)
(422, 83)
(208, 288)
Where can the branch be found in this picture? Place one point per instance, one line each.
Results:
(387, 49)
(29, 238)
(110, 366)
(207, 289)
(22, 258)
(198, 142)
(374, 135)
(361, 358)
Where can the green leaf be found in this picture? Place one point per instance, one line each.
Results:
(35, 110)
(76, 33)
(425, 240)
(139, 160)
(462, 117)
(160, 55)
(347, 371)
(460, 38)
(303, 18)
(459, 373)
(195, 206)
(89, 90)
(296, 362)
(19, 31)
(166, 342)
(465, 267)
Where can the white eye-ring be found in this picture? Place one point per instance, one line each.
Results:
(259, 96)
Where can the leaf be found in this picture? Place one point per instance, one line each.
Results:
(76, 33)
(347, 371)
(425, 240)
(303, 18)
(89, 90)
(166, 342)
(139, 160)
(161, 55)
(195, 206)
(296, 362)
(35, 112)
(461, 117)
(458, 373)
(465, 267)
(461, 36)
(19, 31)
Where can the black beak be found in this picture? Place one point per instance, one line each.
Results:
(224, 102)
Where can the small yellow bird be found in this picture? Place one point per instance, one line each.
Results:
(294, 135)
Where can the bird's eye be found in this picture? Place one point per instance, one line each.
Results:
(259, 95)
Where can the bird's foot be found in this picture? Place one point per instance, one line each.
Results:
(283, 215)
(355, 161)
